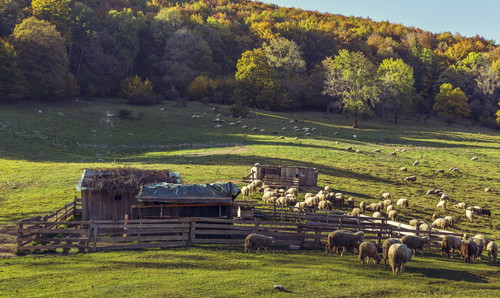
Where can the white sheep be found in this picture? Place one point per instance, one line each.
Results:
(430, 192)
(410, 179)
(454, 169)
(403, 169)
(390, 208)
(399, 254)
(377, 151)
(469, 215)
(404, 203)
(492, 249)
(293, 191)
(355, 212)
(460, 205)
(349, 149)
(257, 240)
(474, 158)
(366, 251)
(325, 205)
(245, 191)
(392, 214)
(441, 223)
(386, 196)
(440, 171)
(450, 219)
(416, 163)
(385, 248)
(362, 206)
(445, 197)
(441, 204)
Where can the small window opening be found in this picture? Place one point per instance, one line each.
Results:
(118, 197)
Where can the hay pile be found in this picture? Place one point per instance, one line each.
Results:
(124, 179)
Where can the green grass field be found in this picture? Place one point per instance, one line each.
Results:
(45, 148)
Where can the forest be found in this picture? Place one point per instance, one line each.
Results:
(245, 54)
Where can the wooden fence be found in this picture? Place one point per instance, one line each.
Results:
(93, 236)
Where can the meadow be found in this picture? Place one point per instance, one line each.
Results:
(45, 148)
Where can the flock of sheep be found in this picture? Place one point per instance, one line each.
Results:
(397, 251)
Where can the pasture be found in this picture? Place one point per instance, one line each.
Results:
(46, 147)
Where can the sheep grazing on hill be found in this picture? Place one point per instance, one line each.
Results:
(245, 191)
(414, 243)
(399, 255)
(430, 192)
(487, 189)
(492, 249)
(474, 158)
(393, 214)
(469, 215)
(441, 204)
(387, 203)
(450, 219)
(392, 153)
(480, 245)
(362, 206)
(441, 223)
(350, 202)
(380, 206)
(435, 216)
(293, 191)
(486, 211)
(385, 248)
(460, 205)
(377, 214)
(403, 203)
(328, 189)
(366, 251)
(390, 208)
(424, 227)
(300, 207)
(416, 163)
(372, 207)
(454, 169)
(343, 238)
(482, 237)
(355, 212)
(377, 151)
(476, 209)
(259, 241)
(403, 169)
(385, 196)
(444, 197)
(415, 223)
(449, 244)
(440, 171)
(410, 179)
(349, 149)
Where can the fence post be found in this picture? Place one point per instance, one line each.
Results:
(341, 221)
(19, 235)
(96, 228)
(192, 235)
(256, 228)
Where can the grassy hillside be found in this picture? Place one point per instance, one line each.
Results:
(46, 147)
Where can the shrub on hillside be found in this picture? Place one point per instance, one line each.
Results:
(137, 91)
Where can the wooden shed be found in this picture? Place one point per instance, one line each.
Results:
(108, 194)
(169, 200)
(285, 176)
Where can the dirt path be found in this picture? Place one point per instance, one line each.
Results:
(8, 242)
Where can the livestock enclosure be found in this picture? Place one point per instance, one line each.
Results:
(285, 176)
(303, 229)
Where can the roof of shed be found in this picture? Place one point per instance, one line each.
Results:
(170, 192)
(123, 179)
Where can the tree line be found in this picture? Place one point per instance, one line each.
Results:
(244, 53)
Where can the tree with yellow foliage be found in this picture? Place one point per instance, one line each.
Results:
(451, 103)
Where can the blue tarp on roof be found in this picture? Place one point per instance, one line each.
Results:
(167, 191)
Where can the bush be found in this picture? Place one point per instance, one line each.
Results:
(138, 92)
(125, 114)
(239, 110)
(142, 99)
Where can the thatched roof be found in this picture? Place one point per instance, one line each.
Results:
(124, 179)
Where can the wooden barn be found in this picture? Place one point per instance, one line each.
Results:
(285, 176)
(168, 200)
(109, 194)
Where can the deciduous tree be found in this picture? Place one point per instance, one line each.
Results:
(11, 79)
(451, 103)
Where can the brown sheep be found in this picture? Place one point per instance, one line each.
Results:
(450, 243)
(414, 243)
(399, 255)
(343, 238)
(257, 240)
(385, 248)
(366, 251)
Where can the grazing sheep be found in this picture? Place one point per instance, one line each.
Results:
(415, 223)
(469, 215)
(476, 209)
(441, 204)
(474, 158)
(399, 254)
(424, 227)
(343, 238)
(480, 244)
(404, 203)
(403, 150)
(245, 191)
(450, 243)
(450, 219)
(410, 179)
(416, 163)
(328, 188)
(366, 251)
(435, 216)
(414, 243)
(377, 151)
(441, 223)
(390, 208)
(440, 171)
(487, 189)
(460, 205)
(492, 249)
(486, 211)
(392, 215)
(300, 207)
(454, 169)
(430, 192)
(355, 212)
(325, 205)
(444, 197)
(482, 237)
(308, 195)
(468, 249)
(350, 202)
(349, 149)
(380, 206)
(377, 214)
(372, 207)
(362, 206)
(392, 153)
(403, 169)
(257, 240)
(386, 196)
(385, 248)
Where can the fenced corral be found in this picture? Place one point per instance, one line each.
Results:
(289, 228)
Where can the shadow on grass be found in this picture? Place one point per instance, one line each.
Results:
(455, 275)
